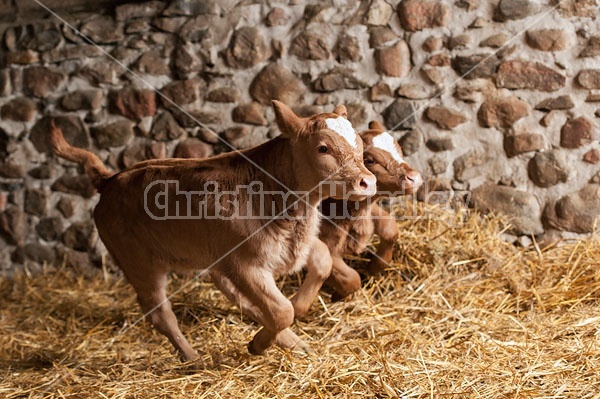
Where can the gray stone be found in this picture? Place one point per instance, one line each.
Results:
(41, 81)
(411, 142)
(459, 42)
(190, 119)
(185, 62)
(502, 112)
(66, 207)
(165, 127)
(516, 9)
(49, 228)
(525, 142)
(23, 57)
(147, 9)
(247, 48)
(82, 100)
(193, 148)
(115, 134)
(393, 60)
(517, 74)
(310, 46)
(380, 36)
(36, 201)
(181, 93)
(414, 91)
(132, 103)
(593, 47)
(577, 212)
(475, 66)
(99, 73)
(521, 207)
(379, 13)
(141, 150)
(72, 53)
(438, 165)
(578, 132)
(153, 63)
(444, 117)
(5, 84)
(347, 49)
(417, 15)
(380, 92)
(252, 113)
(592, 156)
(223, 95)
(495, 41)
(589, 78)
(192, 7)
(74, 130)
(13, 226)
(440, 144)
(338, 78)
(78, 184)
(35, 252)
(167, 24)
(103, 29)
(276, 17)
(21, 109)
(548, 39)
(547, 169)
(466, 166)
(560, 102)
(79, 236)
(42, 172)
(400, 115)
(236, 133)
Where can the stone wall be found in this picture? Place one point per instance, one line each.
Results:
(497, 98)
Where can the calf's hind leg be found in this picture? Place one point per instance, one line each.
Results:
(152, 297)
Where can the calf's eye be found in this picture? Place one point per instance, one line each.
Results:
(369, 161)
(322, 149)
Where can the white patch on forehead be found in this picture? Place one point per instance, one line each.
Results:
(385, 141)
(343, 127)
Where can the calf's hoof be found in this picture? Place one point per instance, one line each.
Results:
(376, 267)
(253, 350)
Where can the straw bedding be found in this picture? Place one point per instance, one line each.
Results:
(462, 314)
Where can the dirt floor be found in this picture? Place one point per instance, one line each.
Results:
(461, 315)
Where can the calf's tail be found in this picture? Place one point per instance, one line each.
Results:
(94, 168)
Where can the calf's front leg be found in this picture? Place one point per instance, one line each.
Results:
(285, 339)
(344, 280)
(387, 230)
(258, 286)
(318, 269)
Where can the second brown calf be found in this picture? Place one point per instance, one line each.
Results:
(350, 235)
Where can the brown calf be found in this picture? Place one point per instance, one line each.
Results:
(383, 157)
(179, 215)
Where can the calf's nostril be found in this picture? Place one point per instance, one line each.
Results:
(363, 184)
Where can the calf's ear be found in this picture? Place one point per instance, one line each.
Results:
(290, 124)
(374, 125)
(341, 111)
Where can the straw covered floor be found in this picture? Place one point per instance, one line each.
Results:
(461, 314)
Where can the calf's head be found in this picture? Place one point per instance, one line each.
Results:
(383, 157)
(327, 153)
